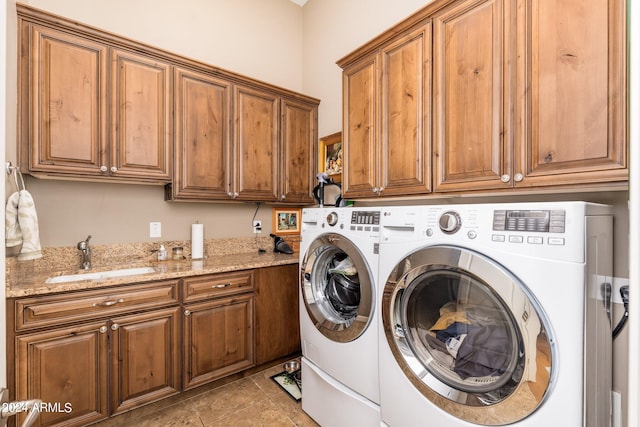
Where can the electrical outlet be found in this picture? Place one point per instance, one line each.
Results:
(257, 226)
(155, 229)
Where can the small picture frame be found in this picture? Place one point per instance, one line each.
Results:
(286, 221)
(330, 156)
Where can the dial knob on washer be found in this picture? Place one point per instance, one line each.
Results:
(332, 219)
(450, 222)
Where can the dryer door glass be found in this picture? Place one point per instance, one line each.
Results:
(337, 288)
(465, 329)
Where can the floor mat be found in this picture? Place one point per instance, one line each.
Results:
(291, 383)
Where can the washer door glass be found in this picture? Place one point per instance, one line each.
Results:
(465, 329)
(337, 288)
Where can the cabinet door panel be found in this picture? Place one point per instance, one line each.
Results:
(360, 128)
(141, 115)
(468, 54)
(66, 102)
(406, 100)
(256, 145)
(203, 111)
(299, 133)
(218, 339)
(66, 366)
(573, 119)
(144, 358)
(277, 311)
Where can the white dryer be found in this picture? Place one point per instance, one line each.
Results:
(496, 314)
(338, 315)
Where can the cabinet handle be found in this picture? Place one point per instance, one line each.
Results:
(115, 327)
(103, 168)
(375, 189)
(103, 329)
(108, 303)
(221, 286)
(282, 197)
(187, 312)
(518, 177)
(114, 169)
(505, 178)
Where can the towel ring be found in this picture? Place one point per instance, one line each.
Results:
(11, 169)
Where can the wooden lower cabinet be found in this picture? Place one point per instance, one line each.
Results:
(144, 358)
(95, 353)
(218, 338)
(67, 366)
(277, 318)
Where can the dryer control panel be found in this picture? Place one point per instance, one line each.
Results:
(540, 221)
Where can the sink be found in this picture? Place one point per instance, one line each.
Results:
(100, 275)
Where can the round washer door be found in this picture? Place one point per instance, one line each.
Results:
(337, 287)
(469, 335)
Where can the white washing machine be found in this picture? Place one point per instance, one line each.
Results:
(338, 315)
(496, 314)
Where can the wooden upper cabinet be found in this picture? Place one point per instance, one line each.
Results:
(387, 123)
(470, 149)
(297, 150)
(571, 83)
(202, 129)
(141, 116)
(67, 128)
(63, 83)
(406, 107)
(255, 145)
(360, 134)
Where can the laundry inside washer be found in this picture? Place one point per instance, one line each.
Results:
(343, 285)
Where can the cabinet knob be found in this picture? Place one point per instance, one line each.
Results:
(505, 178)
(103, 329)
(103, 168)
(375, 189)
(282, 197)
(114, 169)
(187, 312)
(518, 177)
(115, 327)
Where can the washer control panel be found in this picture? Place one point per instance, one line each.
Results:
(365, 221)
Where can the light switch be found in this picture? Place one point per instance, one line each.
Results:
(155, 229)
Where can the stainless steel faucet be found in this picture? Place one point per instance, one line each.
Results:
(83, 246)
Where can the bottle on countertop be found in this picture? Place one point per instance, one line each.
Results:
(162, 253)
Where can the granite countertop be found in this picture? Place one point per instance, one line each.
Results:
(28, 282)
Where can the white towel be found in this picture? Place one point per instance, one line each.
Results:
(13, 234)
(21, 225)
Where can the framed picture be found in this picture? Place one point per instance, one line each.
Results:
(286, 221)
(330, 156)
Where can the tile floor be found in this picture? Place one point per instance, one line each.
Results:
(255, 400)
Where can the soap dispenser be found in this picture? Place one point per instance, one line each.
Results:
(162, 253)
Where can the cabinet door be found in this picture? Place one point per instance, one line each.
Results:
(572, 92)
(63, 102)
(277, 321)
(255, 145)
(141, 117)
(202, 144)
(144, 358)
(470, 149)
(360, 128)
(406, 107)
(218, 339)
(298, 124)
(67, 368)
